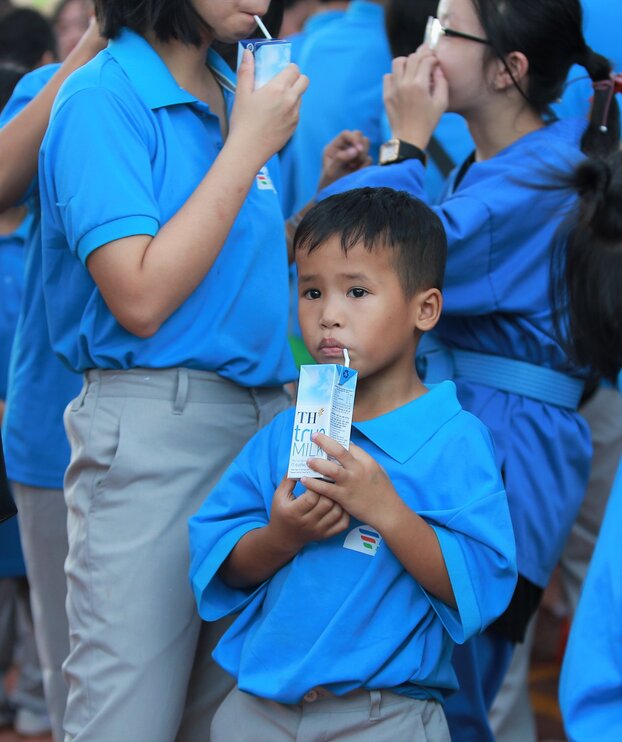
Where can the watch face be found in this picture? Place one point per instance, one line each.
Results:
(389, 151)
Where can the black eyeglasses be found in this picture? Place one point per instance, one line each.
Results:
(434, 30)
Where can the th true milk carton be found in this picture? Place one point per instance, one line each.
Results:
(271, 56)
(325, 404)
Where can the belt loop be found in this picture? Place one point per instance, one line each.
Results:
(375, 696)
(79, 400)
(181, 397)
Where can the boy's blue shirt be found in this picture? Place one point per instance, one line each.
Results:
(125, 149)
(346, 616)
(502, 221)
(36, 449)
(591, 679)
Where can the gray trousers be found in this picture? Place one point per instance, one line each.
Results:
(43, 528)
(363, 716)
(147, 448)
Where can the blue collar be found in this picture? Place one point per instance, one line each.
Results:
(152, 78)
(402, 432)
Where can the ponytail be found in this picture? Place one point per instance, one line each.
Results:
(602, 136)
(588, 271)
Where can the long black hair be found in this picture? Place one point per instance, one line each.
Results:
(550, 34)
(587, 270)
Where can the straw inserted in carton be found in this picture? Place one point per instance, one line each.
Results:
(262, 28)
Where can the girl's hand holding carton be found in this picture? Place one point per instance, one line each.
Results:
(263, 120)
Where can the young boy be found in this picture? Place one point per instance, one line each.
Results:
(333, 640)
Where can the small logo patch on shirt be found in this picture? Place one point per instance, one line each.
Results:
(264, 181)
(363, 539)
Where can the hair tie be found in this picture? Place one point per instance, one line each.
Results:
(610, 86)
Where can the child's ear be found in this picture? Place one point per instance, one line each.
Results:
(427, 307)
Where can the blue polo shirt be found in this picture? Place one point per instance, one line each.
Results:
(35, 445)
(125, 149)
(591, 681)
(344, 613)
(502, 222)
(11, 290)
(312, 26)
(345, 62)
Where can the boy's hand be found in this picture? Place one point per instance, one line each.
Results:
(361, 486)
(346, 153)
(294, 521)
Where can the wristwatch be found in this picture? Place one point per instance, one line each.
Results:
(396, 150)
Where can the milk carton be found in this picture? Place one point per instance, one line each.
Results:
(271, 56)
(325, 404)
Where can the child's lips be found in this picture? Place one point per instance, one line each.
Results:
(331, 348)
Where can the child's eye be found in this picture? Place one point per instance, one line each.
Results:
(312, 294)
(357, 292)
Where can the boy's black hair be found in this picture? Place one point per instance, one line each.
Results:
(587, 271)
(169, 19)
(25, 36)
(382, 218)
(10, 75)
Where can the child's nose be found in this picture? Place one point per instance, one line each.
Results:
(331, 315)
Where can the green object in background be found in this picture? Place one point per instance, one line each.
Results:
(299, 351)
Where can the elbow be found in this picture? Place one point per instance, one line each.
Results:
(142, 327)
(138, 319)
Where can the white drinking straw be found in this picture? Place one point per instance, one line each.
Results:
(346, 355)
(264, 30)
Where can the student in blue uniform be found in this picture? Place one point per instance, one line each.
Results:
(24, 708)
(165, 278)
(501, 65)
(591, 679)
(39, 386)
(345, 61)
(334, 639)
(325, 13)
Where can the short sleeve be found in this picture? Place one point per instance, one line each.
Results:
(232, 510)
(477, 556)
(239, 503)
(96, 169)
(475, 536)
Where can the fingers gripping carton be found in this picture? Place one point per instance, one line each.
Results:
(325, 405)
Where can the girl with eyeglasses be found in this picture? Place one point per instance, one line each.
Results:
(501, 64)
